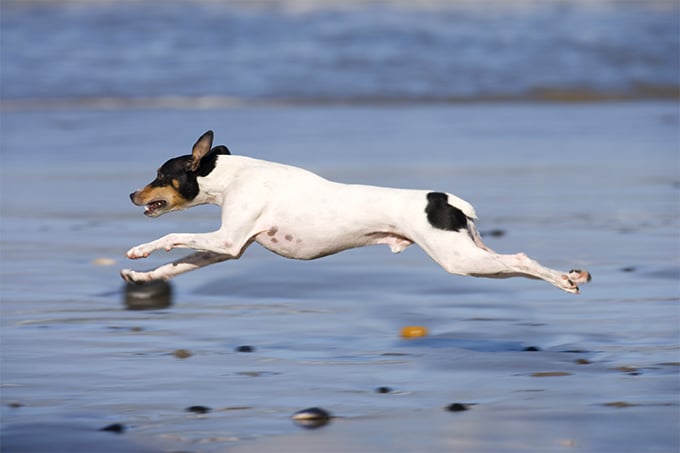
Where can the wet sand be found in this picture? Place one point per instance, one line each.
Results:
(572, 185)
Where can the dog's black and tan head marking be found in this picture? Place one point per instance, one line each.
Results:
(176, 183)
(442, 215)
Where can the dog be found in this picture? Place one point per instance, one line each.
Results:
(298, 214)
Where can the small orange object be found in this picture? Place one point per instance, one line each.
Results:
(413, 331)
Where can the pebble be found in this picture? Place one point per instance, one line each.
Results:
(550, 374)
(619, 404)
(532, 349)
(245, 348)
(629, 370)
(414, 332)
(182, 354)
(114, 428)
(383, 390)
(496, 233)
(456, 407)
(313, 417)
(198, 409)
(152, 295)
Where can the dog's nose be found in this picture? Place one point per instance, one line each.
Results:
(132, 196)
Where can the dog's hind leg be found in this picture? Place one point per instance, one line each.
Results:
(458, 253)
(182, 265)
(520, 265)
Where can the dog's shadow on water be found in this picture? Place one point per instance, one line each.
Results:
(299, 281)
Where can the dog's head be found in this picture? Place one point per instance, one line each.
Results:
(176, 184)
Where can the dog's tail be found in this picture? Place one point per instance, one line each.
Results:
(471, 215)
(463, 205)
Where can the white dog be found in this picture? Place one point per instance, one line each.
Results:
(298, 214)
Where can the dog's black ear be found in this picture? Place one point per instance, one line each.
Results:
(220, 149)
(200, 149)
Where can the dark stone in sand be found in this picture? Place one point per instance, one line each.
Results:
(497, 233)
(152, 295)
(456, 407)
(629, 370)
(114, 428)
(532, 349)
(383, 390)
(198, 409)
(544, 374)
(182, 354)
(619, 404)
(628, 269)
(311, 418)
(245, 348)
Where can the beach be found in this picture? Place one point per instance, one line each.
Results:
(558, 121)
(591, 185)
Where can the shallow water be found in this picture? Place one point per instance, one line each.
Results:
(588, 185)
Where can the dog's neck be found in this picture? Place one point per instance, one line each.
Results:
(212, 186)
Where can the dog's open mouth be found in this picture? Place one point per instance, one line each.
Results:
(155, 205)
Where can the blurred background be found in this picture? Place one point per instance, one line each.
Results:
(208, 53)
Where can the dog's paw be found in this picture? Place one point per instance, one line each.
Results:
(131, 276)
(127, 275)
(140, 251)
(579, 276)
(570, 281)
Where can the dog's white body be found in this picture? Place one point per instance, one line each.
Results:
(298, 214)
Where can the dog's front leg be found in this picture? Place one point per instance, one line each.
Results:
(182, 265)
(211, 242)
(167, 243)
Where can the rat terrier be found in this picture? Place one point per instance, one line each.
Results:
(298, 214)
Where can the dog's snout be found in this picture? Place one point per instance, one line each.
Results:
(132, 196)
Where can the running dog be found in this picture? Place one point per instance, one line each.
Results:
(298, 214)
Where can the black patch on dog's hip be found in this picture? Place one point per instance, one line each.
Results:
(442, 215)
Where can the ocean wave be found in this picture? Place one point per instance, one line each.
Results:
(231, 102)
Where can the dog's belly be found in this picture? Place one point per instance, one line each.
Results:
(306, 245)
